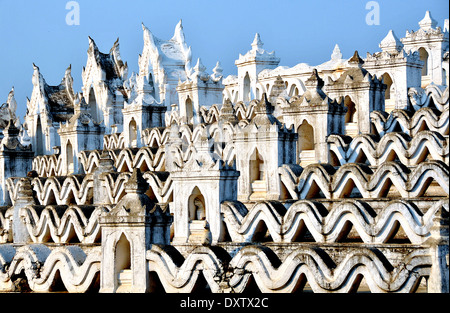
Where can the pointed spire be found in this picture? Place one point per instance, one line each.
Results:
(217, 72)
(115, 46)
(199, 67)
(227, 111)
(68, 69)
(148, 37)
(427, 22)
(106, 163)
(37, 77)
(264, 106)
(12, 104)
(67, 81)
(92, 46)
(227, 104)
(25, 190)
(314, 81)
(391, 43)
(264, 113)
(136, 183)
(179, 34)
(218, 69)
(337, 54)
(11, 137)
(355, 60)
(257, 44)
(277, 89)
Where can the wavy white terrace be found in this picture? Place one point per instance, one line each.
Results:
(327, 178)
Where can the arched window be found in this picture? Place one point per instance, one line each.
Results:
(388, 82)
(444, 77)
(69, 158)
(351, 125)
(305, 137)
(122, 266)
(132, 133)
(123, 254)
(258, 186)
(423, 54)
(189, 111)
(351, 110)
(246, 94)
(39, 138)
(305, 146)
(93, 105)
(150, 81)
(256, 167)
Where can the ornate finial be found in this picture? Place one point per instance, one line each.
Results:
(25, 191)
(356, 60)
(257, 44)
(217, 72)
(106, 163)
(178, 33)
(427, 22)
(116, 43)
(440, 229)
(218, 69)
(264, 106)
(391, 43)
(314, 81)
(278, 88)
(199, 67)
(11, 137)
(68, 69)
(12, 104)
(337, 54)
(199, 72)
(136, 183)
(227, 111)
(92, 46)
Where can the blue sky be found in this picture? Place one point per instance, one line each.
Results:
(298, 31)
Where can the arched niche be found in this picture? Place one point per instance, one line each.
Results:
(189, 111)
(257, 176)
(351, 117)
(198, 227)
(69, 158)
(389, 93)
(197, 207)
(423, 54)
(39, 149)
(122, 254)
(92, 103)
(388, 82)
(122, 264)
(305, 144)
(132, 133)
(351, 110)
(256, 166)
(246, 95)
